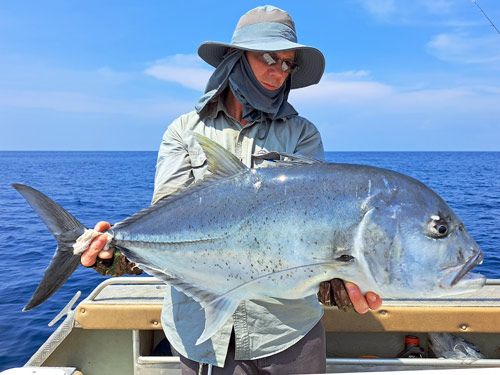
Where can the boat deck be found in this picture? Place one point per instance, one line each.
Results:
(124, 315)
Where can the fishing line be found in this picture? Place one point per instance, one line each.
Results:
(488, 18)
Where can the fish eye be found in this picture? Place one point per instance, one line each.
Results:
(438, 228)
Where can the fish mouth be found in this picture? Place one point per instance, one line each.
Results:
(450, 276)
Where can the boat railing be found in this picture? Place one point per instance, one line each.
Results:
(137, 280)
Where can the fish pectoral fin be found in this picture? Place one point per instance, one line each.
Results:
(216, 315)
(240, 288)
(221, 162)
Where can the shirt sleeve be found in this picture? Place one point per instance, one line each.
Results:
(310, 143)
(173, 167)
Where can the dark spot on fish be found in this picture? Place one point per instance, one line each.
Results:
(345, 258)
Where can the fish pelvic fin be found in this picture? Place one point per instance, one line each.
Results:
(221, 163)
(66, 229)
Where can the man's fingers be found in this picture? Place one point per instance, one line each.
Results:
(106, 254)
(95, 249)
(102, 226)
(374, 300)
(357, 298)
(89, 256)
(324, 294)
(340, 295)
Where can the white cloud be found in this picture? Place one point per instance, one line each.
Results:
(403, 8)
(422, 12)
(104, 90)
(464, 49)
(342, 88)
(187, 70)
(361, 95)
(379, 8)
(438, 6)
(67, 101)
(360, 113)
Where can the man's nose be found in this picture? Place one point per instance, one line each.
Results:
(276, 71)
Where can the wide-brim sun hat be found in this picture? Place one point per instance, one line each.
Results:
(270, 29)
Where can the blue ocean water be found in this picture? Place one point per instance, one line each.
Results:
(110, 186)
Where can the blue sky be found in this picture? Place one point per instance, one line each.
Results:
(111, 75)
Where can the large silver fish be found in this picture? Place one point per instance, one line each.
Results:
(248, 233)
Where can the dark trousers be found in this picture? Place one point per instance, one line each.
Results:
(308, 356)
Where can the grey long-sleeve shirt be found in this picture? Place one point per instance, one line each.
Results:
(262, 327)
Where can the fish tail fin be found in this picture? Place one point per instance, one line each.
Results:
(66, 229)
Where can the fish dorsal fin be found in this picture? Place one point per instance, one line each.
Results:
(293, 159)
(221, 163)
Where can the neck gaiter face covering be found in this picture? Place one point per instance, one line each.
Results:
(256, 100)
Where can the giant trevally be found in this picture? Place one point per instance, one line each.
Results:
(245, 233)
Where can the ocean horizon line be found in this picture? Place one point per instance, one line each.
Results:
(332, 151)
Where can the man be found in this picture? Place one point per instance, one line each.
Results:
(245, 109)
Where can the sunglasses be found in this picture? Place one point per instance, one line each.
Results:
(271, 59)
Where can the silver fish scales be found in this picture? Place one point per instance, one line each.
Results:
(249, 233)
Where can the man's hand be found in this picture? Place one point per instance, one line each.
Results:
(347, 296)
(362, 303)
(107, 262)
(95, 249)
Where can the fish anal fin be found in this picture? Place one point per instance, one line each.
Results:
(217, 309)
(216, 315)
